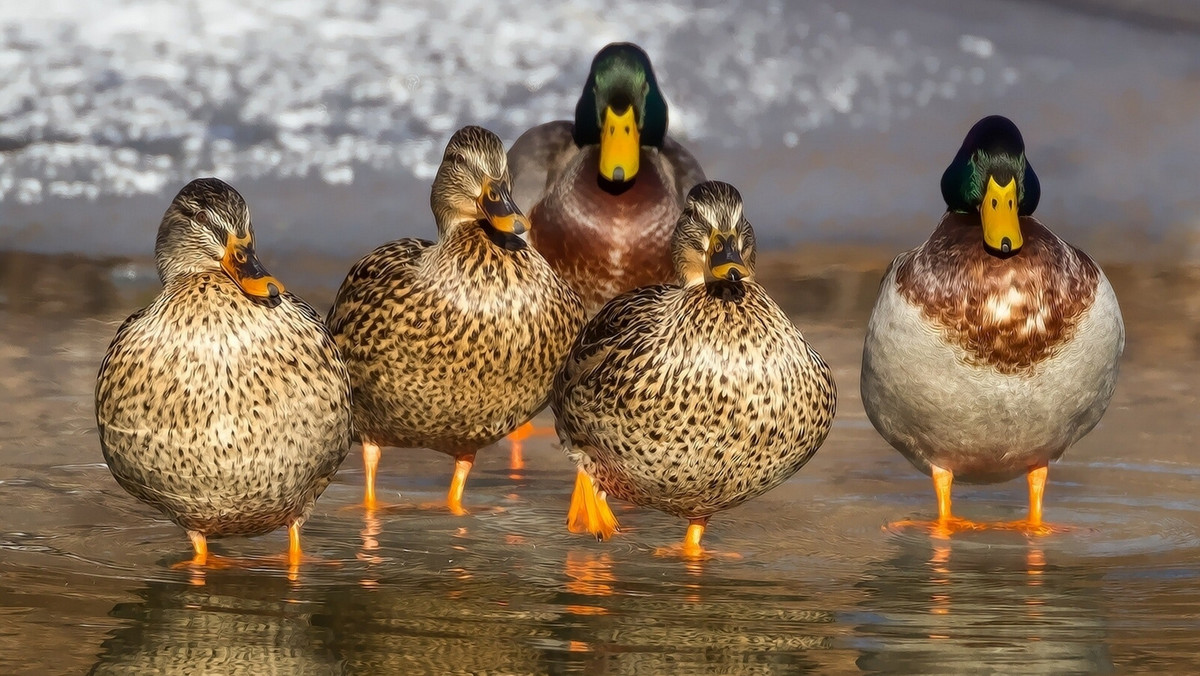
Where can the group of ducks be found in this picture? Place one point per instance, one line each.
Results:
(626, 300)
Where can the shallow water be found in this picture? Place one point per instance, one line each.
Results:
(86, 580)
(835, 119)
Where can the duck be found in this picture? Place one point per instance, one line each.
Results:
(451, 345)
(995, 345)
(224, 403)
(691, 397)
(604, 190)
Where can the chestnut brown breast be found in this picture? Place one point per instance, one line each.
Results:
(1006, 313)
(604, 241)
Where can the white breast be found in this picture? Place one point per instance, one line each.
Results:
(927, 400)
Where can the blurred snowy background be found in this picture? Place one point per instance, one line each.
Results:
(834, 118)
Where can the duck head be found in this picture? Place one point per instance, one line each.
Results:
(713, 240)
(991, 175)
(473, 185)
(208, 228)
(621, 109)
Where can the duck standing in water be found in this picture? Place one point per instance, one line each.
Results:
(604, 191)
(696, 397)
(224, 403)
(451, 345)
(994, 346)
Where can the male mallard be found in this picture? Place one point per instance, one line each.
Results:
(993, 346)
(691, 399)
(604, 192)
(224, 403)
(452, 345)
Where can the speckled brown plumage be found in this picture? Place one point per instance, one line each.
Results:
(1008, 313)
(452, 345)
(230, 414)
(692, 399)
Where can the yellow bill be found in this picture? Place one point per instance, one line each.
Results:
(496, 203)
(244, 268)
(1001, 228)
(724, 259)
(620, 146)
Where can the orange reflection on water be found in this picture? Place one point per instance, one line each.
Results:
(590, 575)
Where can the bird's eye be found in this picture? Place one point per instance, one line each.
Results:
(239, 256)
(719, 246)
(201, 217)
(492, 196)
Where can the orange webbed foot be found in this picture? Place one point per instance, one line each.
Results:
(589, 511)
(690, 548)
(939, 528)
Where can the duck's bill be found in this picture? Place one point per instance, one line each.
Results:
(501, 210)
(725, 261)
(244, 268)
(620, 146)
(1001, 227)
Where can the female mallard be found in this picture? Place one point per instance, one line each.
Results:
(691, 399)
(993, 346)
(604, 192)
(452, 345)
(224, 403)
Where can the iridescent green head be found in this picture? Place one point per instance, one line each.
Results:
(991, 175)
(621, 109)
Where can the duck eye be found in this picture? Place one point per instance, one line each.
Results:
(239, 256)
(492, 196)
(201, 217)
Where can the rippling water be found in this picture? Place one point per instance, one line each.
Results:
(86, 580)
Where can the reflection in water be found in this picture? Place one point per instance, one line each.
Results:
(821, 587)
(623, 621)
(939, 606)
(449, 624)
(241, 623)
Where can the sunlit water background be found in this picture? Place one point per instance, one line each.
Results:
(834, 119)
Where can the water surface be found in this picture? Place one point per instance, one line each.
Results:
(86, 577)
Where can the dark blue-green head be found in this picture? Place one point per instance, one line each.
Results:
(991, 175)
(621, 109)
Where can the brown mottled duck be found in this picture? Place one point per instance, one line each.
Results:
(994, 346)
(694, 397)
(451, 345)
(224, 403)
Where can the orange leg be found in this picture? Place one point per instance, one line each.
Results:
(199, 548)
(462, 467)
(1034, 525)
(1037, 489)
(517, 438)
(371, 465)
(690, 547)
(589, 511)
(947, 523)
(294, 554)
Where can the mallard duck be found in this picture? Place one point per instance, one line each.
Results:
(452, 345)
(224, 403)
(691, 398)
(994, 346)
(604, 191)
